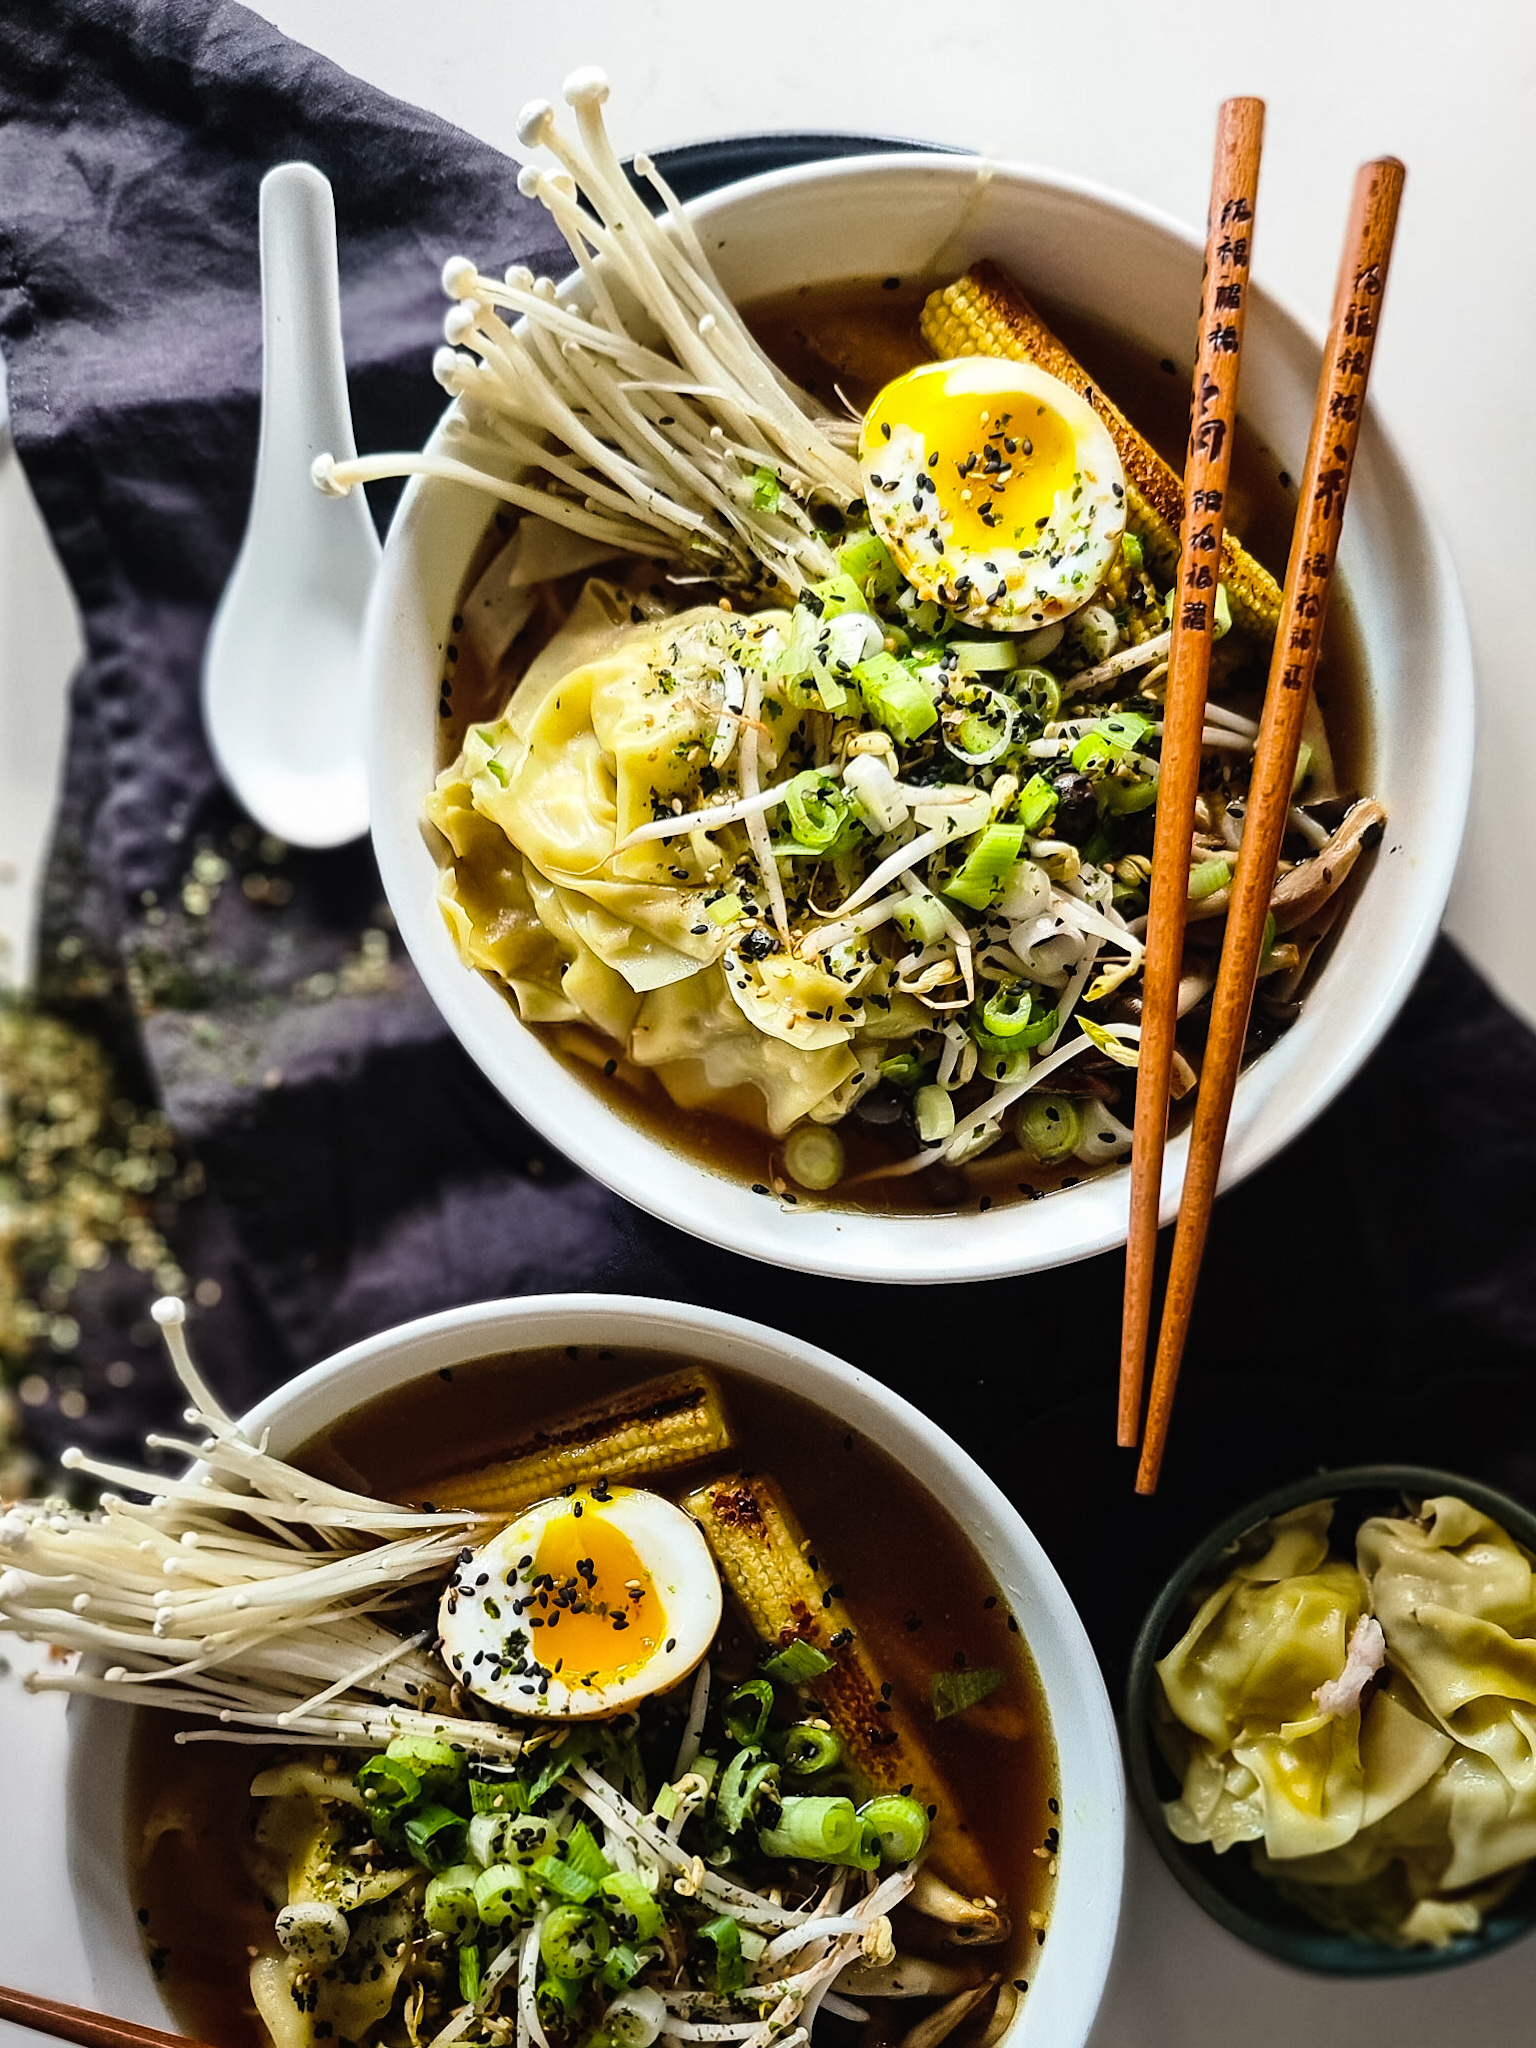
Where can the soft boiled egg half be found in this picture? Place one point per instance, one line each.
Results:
(996, 488)
(584, 1606)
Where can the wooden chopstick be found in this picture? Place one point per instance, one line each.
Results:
(76, 2023)
(1212, 424)
(1308, 579)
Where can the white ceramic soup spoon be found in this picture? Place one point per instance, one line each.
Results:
(283, 692)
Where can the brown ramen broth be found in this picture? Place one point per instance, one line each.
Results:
(842, 344)
(930, 1608)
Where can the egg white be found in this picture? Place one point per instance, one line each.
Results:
(500, 1621)
(919, 481)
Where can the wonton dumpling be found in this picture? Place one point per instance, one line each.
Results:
(1457, 1599)
(1276, 1628)
(600, 736)
(1240, 1681)
(703, 1049)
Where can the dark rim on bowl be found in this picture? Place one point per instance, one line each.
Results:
(1228, 1887)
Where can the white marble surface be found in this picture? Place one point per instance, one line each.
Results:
(1127, 94)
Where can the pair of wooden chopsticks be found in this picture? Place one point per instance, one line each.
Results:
(75, 2023)
(1336, 422)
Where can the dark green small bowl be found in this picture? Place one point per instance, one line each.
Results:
(1228, 1887)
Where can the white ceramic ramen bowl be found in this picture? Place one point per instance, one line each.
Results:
(1107, 257)
(1066, 1985)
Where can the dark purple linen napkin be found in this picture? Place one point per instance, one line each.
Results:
(1371, 1295)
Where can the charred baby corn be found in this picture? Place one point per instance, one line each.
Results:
(650, 1428)
(769, 1567)
(985, 314)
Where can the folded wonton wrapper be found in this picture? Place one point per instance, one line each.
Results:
(1406, 1819)
(598, 732)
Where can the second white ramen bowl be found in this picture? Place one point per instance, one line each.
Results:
(1068, 1979)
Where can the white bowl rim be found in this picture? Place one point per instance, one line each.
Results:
(862, 1245)
(1065, 1990)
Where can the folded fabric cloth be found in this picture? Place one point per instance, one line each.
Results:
(1371, 1294)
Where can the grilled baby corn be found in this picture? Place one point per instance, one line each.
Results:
(651, 1428)
(768, 1565)
(985, 314)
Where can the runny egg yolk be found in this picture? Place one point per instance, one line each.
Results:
(997, 489)
(590, 1583)
(584, 1604)
(997, 466)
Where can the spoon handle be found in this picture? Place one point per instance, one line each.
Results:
(304, 408)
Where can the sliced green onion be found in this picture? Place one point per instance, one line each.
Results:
(583, 1853)
(450, 1903)
(1271, 933)
(435, 1836)
(730, 1965)
(933, 1112)
(799, 661)
(903, 1070)
(1035, 802)
(825, 1829)
(1303, 766)
(1006, 1013)
(765, 489)
(980, 878)
(746, 1711)
(822, 814)
(921, 919)
(1125, 729)
(563, 1881)
(564, 1994)
(1010, 1022)
(634, 1904)
(575, 1743)
(1092, 753)
(501, 1891)
(810, 1747)
(389, 1783)
(1131, 550)
(731, 1806)
(1221, 615)
(494, 1788)
(1003, 1068)
(954, 1691)
(527, 1837)
(664, 1805)
(1050, 1127)
(750, 1782)
(894, 697)
(985, 729)
(499, 772)
(838, 594)
(868, 561)
(813, 1156)
(573, 1942)
(469, 1972)
(621, 1966)
(984, 657)
(1037, 692)
(796, 1663)
(1122, 798)
(724, 910)
(483, 1839)
(1206, 877)
(435, 1763)
(900, 1822)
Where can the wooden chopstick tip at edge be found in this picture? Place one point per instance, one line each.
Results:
(1208, 459)
(1338, 415)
